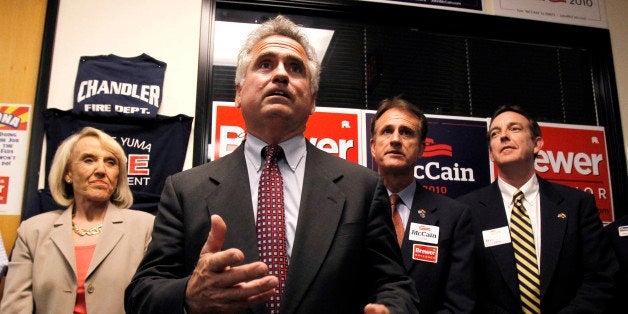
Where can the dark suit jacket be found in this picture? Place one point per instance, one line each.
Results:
(447, 285)
(344, 254)
(620, 246)
(577, 268)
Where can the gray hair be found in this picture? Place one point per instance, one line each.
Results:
(283, 26)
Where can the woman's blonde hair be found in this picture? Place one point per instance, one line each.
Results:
(62, 191)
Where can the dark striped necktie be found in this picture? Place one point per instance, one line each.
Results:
(525, 256)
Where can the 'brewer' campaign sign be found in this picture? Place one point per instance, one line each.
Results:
(334, 130)
(575, 155)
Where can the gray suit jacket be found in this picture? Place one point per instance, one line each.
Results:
(42, 271)
(344, 252)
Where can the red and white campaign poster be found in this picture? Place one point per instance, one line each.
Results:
(576, 156)
(334, 130)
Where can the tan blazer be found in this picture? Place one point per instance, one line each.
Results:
(42, 270)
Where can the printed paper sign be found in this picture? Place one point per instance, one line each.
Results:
(441, 4)
(14, 130)
(577, 12)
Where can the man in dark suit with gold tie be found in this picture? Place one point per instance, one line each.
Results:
(540, 246)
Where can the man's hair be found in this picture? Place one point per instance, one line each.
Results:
(62, 191)
(282, 26)
(400, 103)
(534, 125)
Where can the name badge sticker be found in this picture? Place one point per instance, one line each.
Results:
(425, 253)
(623, 231)
(497, 236)
(423, 233)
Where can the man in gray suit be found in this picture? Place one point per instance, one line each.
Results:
(337, 236)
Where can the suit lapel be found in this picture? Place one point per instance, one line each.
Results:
(423, 211)
(553, 231)
(229, 195)
(61, 236)
(321, 207)
(113, 230)
(494, 216)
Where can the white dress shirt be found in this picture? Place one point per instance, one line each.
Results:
(292, 169)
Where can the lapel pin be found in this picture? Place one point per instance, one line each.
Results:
(562, 216)
(422, 213)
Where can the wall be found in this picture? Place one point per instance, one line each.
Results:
(22, 25)
(617, 11)
(167, 30)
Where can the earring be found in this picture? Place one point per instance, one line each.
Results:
(69, 181)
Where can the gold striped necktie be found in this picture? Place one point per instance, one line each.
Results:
(525, 256)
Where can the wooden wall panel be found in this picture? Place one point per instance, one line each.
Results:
(22, 25)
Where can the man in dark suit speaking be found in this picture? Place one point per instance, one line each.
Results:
(291, 228)
(434, 231)
(539, 246)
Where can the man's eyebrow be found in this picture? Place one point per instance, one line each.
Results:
(514, 123)
(264, 55)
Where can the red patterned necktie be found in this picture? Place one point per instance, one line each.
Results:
(271, 226)
(396, 217)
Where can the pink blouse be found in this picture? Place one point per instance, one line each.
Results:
(83, 258)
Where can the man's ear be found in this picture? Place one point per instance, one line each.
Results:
(237, 96)
(313, 105)
(421, 150)
(538, 144)
(372, 145)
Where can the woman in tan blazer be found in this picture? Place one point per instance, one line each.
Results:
(80, 260)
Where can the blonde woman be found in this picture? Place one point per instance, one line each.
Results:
(81, 258)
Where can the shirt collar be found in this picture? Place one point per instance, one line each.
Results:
(406, 195)
(294, 151)
(530, 189)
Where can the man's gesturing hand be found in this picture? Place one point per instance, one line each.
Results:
(217, 285)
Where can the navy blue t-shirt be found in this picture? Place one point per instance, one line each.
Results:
(113, 86)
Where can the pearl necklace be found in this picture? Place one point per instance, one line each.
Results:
(87, 232)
